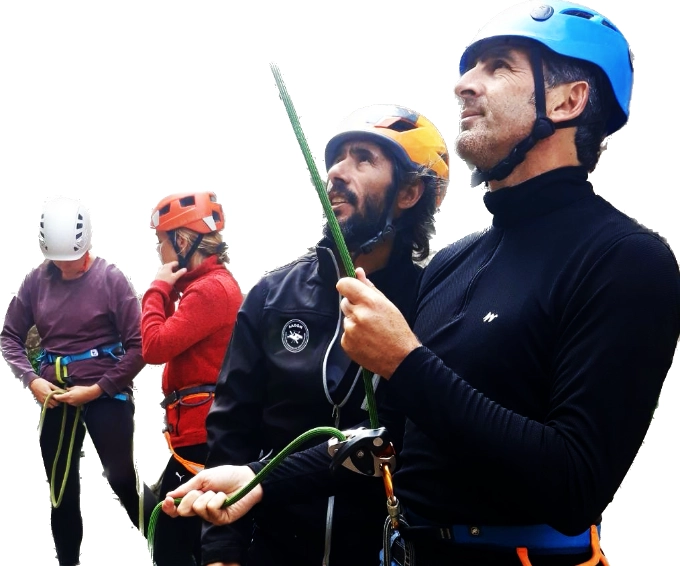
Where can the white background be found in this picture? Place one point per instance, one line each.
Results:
(120, 103)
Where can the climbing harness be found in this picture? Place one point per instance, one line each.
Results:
(188, 397)
(61, 373)
(521, 539)
(61, 363)
(113, 350)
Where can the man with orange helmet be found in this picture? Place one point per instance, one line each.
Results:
(285, 371)
(191, 340)
(540, 345)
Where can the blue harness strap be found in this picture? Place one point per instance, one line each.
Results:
(537, 539)
(112, 350)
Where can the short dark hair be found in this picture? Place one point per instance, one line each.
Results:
(592, 127)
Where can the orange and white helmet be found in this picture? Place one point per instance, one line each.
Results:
(198, 211)
(411, 137)
(65, 229)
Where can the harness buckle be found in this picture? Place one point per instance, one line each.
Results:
(365, 451)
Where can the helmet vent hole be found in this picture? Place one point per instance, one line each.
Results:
(163, 211)
(402, 126)
(589, 16)
(216, 216)
(187, 201)
(578, 14)
(609, 25)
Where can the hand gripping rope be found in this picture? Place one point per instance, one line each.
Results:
(367, 451)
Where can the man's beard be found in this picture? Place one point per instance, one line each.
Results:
(359, 228)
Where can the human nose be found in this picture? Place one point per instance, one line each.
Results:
(338, 170)
(468, 84)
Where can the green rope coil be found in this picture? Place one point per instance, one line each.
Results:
(56, 500)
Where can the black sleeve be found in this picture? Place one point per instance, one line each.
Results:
(233, 423)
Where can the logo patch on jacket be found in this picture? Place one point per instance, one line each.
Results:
(295, 335)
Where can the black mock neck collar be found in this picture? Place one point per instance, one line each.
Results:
(538, 196)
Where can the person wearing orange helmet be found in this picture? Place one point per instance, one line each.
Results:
(87, 315)
(188, 314)
(285, 371)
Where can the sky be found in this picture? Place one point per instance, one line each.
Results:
(120, 104)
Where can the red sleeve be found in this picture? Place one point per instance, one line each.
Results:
(164, 337)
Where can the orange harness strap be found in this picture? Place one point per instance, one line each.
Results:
(192, 467)
(597, 557)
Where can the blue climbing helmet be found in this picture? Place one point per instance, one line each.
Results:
(571, 30)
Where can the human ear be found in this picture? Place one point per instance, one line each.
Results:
(567, 101)
(410, 194)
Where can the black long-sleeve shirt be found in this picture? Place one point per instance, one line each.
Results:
(546, 341)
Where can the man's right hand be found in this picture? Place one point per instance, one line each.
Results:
(41, 388)
(205, 494)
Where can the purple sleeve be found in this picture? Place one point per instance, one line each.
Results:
(18, 321)
(126, 313)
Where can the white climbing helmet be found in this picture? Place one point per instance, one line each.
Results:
(65, 229)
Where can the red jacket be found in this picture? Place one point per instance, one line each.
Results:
(191, 339)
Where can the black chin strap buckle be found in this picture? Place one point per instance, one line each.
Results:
(367, 247)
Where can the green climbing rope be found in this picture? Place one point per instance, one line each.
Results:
(259, 477)
(56, 501)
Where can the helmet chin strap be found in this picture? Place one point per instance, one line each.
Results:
(183, 259)
(388, 230)
(543, 127)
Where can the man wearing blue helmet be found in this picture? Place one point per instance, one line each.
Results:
(540, 345)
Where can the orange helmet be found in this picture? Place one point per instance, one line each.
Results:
(413, 139)
(199, 212)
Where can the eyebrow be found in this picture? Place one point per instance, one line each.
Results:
(499, 52)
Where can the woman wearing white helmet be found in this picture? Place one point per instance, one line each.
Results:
(88, 318)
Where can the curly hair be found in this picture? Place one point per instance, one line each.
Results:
(415, 227)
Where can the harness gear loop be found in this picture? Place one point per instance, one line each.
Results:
(597, 557)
